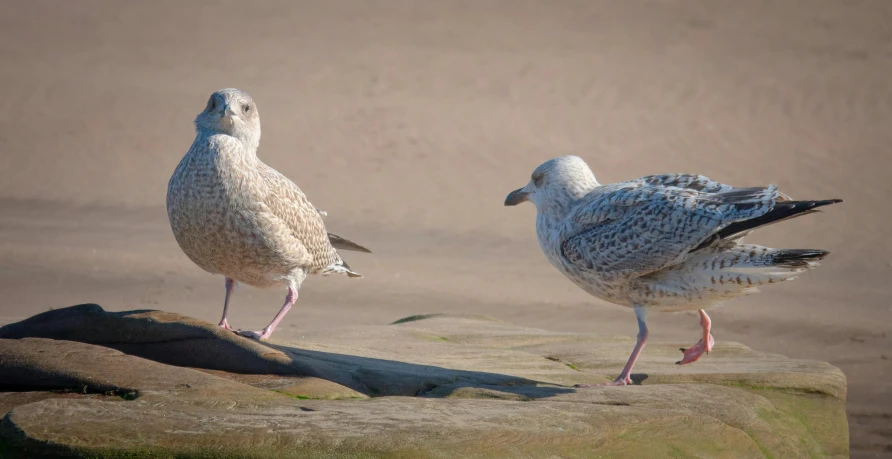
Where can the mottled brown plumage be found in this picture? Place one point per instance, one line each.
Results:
(233, 215)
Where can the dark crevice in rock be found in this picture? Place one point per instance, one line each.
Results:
(84, 389)
(426, 389)
(415, 318)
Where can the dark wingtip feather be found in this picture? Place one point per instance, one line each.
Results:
(341, 243)
(803, 206)
(783, 210)
(825, 202)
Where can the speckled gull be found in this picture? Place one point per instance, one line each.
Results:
(234, 215)
(670, 242)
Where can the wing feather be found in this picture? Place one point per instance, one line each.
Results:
(631, 229)
(687, 181)
(287, 202)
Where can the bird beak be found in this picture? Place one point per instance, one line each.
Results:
(228, 112)
(516, 197)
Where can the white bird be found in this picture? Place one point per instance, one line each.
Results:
(234, 215)
(671, 242)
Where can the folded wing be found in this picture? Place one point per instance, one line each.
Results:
(631, 229)
(287, 202)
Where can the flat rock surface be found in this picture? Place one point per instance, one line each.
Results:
(80, 381)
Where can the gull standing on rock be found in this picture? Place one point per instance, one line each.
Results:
(234, 215)
(669, 242)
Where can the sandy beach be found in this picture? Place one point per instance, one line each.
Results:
(409, 122)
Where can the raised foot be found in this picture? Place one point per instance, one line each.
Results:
(693, 353)
(627, 381)
(258, 335)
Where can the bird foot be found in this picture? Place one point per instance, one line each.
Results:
(621, 381)
(225, 325)
(258, 335)
(693, 353)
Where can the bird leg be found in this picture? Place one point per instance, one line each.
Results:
(704, 345)
(625, 377)
(229, 286)
(266, 332)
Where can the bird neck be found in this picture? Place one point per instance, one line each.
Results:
(251, 144)
(561, 199)
(548, 234)
(225, 147)
(553, 210)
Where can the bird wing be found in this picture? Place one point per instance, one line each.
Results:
(341, 243)
(685, 181)
(287, 202)
(630, 229)
(692, 182)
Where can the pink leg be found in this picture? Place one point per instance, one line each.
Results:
(694, 353)
(229, 286)
(625, 377)
(266, 332)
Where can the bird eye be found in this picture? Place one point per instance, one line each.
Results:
(537, 178)
(246, 108)
(212, 104)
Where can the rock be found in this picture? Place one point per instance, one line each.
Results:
(440, 386)
(46, 364)
(156, 335)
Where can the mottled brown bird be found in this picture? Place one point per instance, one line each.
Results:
(234, 215)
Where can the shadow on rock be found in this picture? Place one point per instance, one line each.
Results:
(187, 342)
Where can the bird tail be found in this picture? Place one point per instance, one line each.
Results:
(720, 273)
(750, 265)
(340, 267)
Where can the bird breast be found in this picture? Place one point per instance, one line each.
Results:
(220, 223)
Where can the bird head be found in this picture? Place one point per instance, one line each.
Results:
(231, 112)
(557, 181)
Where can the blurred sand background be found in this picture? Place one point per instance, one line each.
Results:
(409, 122)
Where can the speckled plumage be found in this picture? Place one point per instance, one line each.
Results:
(671, 242)
(233, 215)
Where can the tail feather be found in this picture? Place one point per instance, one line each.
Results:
(757, 265)
(730, 270)
(746, 266)
(797, 258)
(340, 267)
